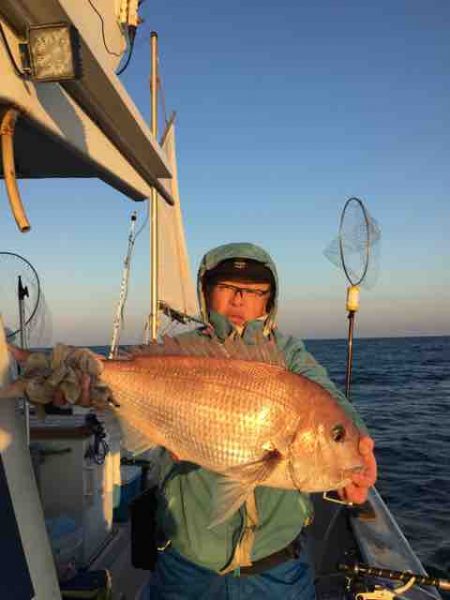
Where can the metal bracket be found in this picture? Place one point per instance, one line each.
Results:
(336, 501)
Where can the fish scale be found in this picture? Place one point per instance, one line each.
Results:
(217, 407)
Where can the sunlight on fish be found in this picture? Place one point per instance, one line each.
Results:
(229, 408)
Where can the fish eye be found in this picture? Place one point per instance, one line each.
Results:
(338, 433)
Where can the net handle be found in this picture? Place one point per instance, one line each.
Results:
(341, 247)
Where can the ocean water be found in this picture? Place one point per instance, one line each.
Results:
(401, 387)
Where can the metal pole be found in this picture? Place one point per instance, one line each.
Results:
(352, 306)
(22, 293)
(153, 319)
(348, 375)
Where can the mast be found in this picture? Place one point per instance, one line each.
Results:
(153, 318)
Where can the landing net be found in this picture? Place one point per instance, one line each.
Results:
(355, 250)
(22, 304)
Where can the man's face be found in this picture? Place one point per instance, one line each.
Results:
(239, 301)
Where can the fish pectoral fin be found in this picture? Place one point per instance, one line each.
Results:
(229, 497)
(255, 473)
(133, 439)
(238, 484)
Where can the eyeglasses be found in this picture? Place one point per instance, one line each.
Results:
(245, 292)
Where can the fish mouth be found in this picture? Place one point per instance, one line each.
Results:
(346, 476)
(354, 469)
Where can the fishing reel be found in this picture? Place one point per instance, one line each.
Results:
(379, 592)
(358, 588)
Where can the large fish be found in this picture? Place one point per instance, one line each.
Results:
(230, 408)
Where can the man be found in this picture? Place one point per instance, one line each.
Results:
(254, 554)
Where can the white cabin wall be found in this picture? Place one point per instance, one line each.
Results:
(23, 490)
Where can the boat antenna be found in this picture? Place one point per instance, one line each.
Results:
(355, 250)
(119, 318)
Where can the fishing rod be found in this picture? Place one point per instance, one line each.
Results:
(406, 577)
(178, 316)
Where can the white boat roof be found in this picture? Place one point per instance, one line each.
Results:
(82, 128)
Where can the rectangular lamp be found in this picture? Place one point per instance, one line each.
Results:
(54, 52)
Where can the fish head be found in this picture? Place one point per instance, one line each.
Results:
(325, 453)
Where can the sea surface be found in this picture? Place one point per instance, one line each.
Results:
(401, 387)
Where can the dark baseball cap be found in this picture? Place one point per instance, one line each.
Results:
(240, 269)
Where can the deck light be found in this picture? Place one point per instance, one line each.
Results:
(53, 52)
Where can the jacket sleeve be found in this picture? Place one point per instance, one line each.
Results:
(299, 360)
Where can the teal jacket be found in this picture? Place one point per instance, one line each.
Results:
(187, 490)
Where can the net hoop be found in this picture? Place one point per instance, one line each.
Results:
(367, 245)
(11, 334)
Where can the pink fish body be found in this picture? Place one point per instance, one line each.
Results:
(229, 408)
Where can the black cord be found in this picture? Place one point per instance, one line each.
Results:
(97, 451)
(103, 30)
(19, 73)
(132, 36)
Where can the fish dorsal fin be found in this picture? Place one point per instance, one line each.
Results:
(262, 350)
(229, 497)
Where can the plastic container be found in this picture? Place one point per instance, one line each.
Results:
(129, 489)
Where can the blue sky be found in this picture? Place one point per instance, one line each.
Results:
(284, 111)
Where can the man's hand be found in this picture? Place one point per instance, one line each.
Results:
(84, 398)
(21, 355)
(358, 490)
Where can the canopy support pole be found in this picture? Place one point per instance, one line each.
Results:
(154, 242)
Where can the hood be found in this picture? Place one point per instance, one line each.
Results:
(236, 250)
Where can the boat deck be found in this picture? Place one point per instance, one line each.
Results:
(128, 582)
(330, 540)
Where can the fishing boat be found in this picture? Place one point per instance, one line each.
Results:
(66, 117)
